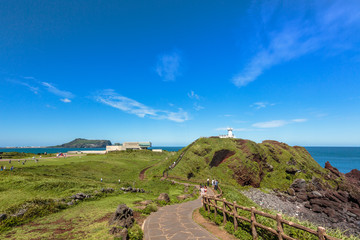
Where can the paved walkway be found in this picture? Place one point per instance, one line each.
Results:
(174, 222)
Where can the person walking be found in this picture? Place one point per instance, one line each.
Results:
(100, 179)
(216, 184)
(208, 182)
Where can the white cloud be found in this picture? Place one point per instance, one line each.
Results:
(299, 120)
(198, 107)
(56, 91)
(111, 98)
(323, 24)
(270, 124)
(193, 95)
(259, 105)
(168, 66)
(65, 100)
(277, 123)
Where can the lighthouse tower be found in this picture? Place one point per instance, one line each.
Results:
(230, 133)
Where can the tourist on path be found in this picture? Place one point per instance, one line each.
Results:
(208, 182)
(100, 179)
(216, 184)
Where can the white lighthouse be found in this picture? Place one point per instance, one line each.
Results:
(229, 135)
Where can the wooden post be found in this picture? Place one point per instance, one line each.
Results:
(253, 228)
(215, 213)
(321, 233)
(280, 229)
(235, 215)
(203, 201)
(224, 213)
(208, 201)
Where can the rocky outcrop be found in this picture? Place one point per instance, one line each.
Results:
(340, 206)
(164, 197)
(134, 190)
(122, 219)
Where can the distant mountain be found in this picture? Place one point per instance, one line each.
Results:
(84, 143)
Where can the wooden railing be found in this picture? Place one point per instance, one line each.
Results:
(231, 209)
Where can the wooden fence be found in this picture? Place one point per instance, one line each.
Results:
(231, 209)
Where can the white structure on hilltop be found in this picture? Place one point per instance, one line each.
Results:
(229, 135)
(129, 145)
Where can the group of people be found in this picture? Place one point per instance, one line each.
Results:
(214, 183)
(3, 168)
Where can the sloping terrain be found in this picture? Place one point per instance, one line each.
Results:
(290, 171)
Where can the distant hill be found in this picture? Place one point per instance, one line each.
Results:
(84, 143)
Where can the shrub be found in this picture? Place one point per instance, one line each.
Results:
(135, 233)
(150, 208)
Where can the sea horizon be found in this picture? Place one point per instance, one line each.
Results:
(343, 158)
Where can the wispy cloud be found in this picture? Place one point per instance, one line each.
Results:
(168, 66)
(128, 105)
(32, 88)
(259, 105)
(277, 123)
(318, 25)
(54, 90)
(193, 95)
(198, 107)
(65, 100)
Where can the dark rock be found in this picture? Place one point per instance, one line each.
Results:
(107, 190)
(20, 213)
(298, 184)
(164, 197)
(123, 217)
(3, 216)
(332, 169)
(316, 208)
(291, 192)
(330, 212)
(302, 196)
(118, 232)
(355, 211)
(316, 182)
(292, 161)
(314, 194)
(80, 196)
(353, 175)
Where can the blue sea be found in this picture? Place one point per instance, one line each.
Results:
(64, 150)
(343, 158)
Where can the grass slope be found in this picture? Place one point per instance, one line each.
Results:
(52, 179)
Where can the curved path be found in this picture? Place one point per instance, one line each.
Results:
(174, 222)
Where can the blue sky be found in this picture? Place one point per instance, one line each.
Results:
(172, 71)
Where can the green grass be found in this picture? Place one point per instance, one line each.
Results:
(53, 181)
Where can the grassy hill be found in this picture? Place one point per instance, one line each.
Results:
(239, 162)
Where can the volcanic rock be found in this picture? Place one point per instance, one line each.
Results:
(123, 217)
(164, 197)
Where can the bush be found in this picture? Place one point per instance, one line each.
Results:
(135, 233)
(150, 208)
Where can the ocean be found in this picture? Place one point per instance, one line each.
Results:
(343, 158)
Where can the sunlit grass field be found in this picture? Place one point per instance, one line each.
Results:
(59, 178)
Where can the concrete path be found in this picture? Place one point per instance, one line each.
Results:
(174, 222)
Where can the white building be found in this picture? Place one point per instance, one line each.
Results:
(128, 145)
(229, 135)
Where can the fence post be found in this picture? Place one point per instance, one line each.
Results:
(280, 229)
(235, 217)
(321, 233)
(224, 213)
(215, 213)
(208, 207)
(204, 202)
(253, 227)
